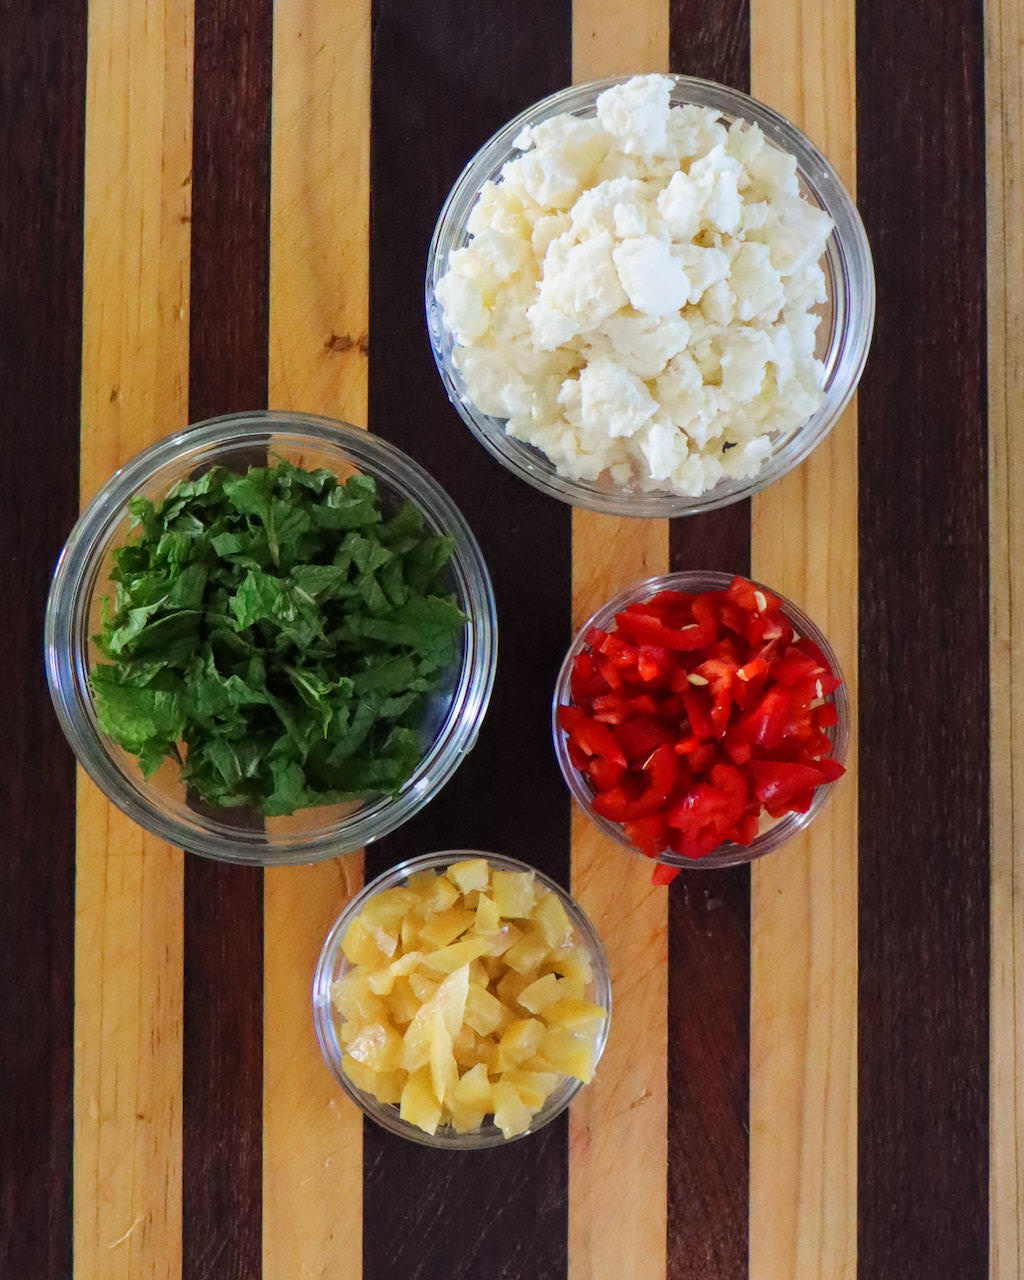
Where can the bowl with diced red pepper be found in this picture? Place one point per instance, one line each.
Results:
(700, 719)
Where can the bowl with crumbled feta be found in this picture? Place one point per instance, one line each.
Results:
(649, 296)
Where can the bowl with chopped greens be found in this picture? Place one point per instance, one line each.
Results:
(271, 638)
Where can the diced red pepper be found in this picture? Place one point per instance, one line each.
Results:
(646, 629)
(586, 681)
(697, 713)
(617, 707)
(649, 834)
(829, 768)
(589, 735)
(751, 597)
(610, 673)
(620, 654)
(826, 715)
(638, 737)
(604, 774)
(655, 664)
(663, 874)
(766, 724)
(579, 758)
(777, 782)
(794, 666)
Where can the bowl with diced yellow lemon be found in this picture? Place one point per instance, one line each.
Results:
(462, 999)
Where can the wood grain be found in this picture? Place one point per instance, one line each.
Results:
(129, 886)
(319, 261)
(439, 90)
(42, 99)
(1004, 113)
(925, 744)
(709, 912)
(617, 1126)
(803, 1089)
(223, 1005)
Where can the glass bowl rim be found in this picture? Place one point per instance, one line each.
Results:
(854, 302)
(731, 854)
(325, 1020)
(75, 580)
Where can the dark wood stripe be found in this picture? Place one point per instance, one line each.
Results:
(709, 911)
(439, 89)
(42, 105)
(924, 730)
(223, 996)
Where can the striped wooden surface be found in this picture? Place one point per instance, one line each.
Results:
(814, 1069)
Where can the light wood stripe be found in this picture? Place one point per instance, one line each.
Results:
(128, 928)
(617, 1126)
(1004, 81)
(319, 266)
(803, 1095)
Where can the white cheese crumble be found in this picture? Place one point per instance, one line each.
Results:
(636, 298)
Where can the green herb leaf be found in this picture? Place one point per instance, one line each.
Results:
(278, 634)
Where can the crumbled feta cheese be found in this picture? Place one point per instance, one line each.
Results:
(636, 296)
(655, 282)
(636, 114)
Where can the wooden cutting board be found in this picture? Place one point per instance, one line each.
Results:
(813, 1069)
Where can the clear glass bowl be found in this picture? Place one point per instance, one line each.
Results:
(774, 832)
(333, 965)
(844, 333)
(453, 713)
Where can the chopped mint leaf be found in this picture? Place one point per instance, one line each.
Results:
(276, 633)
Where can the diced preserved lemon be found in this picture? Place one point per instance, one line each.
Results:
(474, 1089)
(464, 1044)
(387, 909)
(510, 984)
(380, 981)
(534, 1087)
(526, 955)
(444, 1071)
(470, 874)
(575, 1015)
(361, 947)
(449, 999)
(520, 1040)
(406, 964)
(487, 1052)
(422, 986)
(511, 1115)
(554, 923)
(501, 939)
(571, 1054)
(444, 927)
(403, 1003)
(433, 1009)
(574, 968)
(488, 917)
(355, 1001)
(465, 1119)
(459, 954)
(435, 890)
(386, 1086)
(514, 893)
(484, 1012)
(418, 1104)
(538, 995)
(377, 1045)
